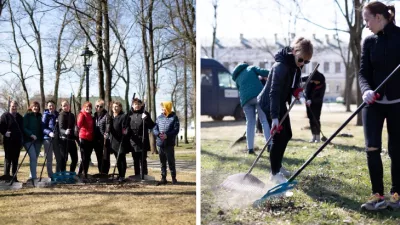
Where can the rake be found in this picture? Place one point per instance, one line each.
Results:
(291, 183)
(247, 181)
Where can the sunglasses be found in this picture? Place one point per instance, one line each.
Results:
(300, 60)
(99, 106)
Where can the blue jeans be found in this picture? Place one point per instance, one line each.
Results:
(33, 152)
(250, 111)
(48, 150)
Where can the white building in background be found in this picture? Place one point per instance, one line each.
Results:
(260, 52)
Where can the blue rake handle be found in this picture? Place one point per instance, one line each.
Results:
(278, 189)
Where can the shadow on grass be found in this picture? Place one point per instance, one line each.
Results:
(207, 124)
(333, 144)
(91, 192)
(250, 159)
(322, 188)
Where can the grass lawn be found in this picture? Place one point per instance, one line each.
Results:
(130, 203)
(329, 191)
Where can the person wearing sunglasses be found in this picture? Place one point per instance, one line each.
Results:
(101, 119)
(283, 83)
(380, 55)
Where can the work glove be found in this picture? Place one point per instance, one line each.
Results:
(124, 131)
(51, 134)
(144, 116)
(275, 126)
(106, 135)
(8, 133)
(296, 92)
(68, 131)
(370, 96)
(308, 102)
(33, 137)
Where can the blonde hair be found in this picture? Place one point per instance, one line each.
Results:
(303, 46)
(100, 101)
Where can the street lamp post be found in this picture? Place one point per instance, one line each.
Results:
(87, 55)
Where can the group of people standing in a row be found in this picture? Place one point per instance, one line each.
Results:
(116, 133)
(379, 57)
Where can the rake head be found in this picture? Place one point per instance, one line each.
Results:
(275, 192)
(243, 182)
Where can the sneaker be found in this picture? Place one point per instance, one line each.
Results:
(394, 201)
(278, 178)
(121, 179)
(285, 172)
(312, 140)
(375, 202)
(317, 138)
(251, 151)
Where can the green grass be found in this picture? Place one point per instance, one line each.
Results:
(329, 191)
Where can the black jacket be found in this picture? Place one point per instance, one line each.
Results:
(66, 120)
(283, 79)
(117, 123)
(379, 57)
(315, 89)
(13, 124)
(136, 130)
(102, 122)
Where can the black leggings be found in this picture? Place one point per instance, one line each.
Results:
(64, 150)
(103, 161)
(315, 123)
(137, 162)
(373, 117)
(86, 152)
(12, 150)
(279, 142)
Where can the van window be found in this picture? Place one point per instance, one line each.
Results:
(225, 80)
(206, 77)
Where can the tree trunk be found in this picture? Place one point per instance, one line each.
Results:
(99, 38)
(185, 93)
(215, 5)
(107, 58)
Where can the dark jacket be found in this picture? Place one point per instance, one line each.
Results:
(102, 121)
(33, 125)
(49, 123)
(315, 89)
(13, 124)
(379, 57)
(170, 126)
(118, 123)
(282, 80)
(136, 130)
(66, 120)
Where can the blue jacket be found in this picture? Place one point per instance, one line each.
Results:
(48, 123)
(170, 126)
(246, 78)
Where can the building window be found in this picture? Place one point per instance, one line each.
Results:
(326, 67)
(263, 64)
(337, 88)
(337, 67)
(314, 64)
(226, 65)
(327, 88)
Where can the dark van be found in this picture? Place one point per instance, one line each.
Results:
(219, 95)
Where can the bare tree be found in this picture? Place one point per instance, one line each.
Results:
(214, 36)
(30, 9)
(2, 5)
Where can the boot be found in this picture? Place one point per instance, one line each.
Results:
(317, 138)
(163, 180)
(174, 181)
(312, 139)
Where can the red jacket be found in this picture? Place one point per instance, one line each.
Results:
(86, 126)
